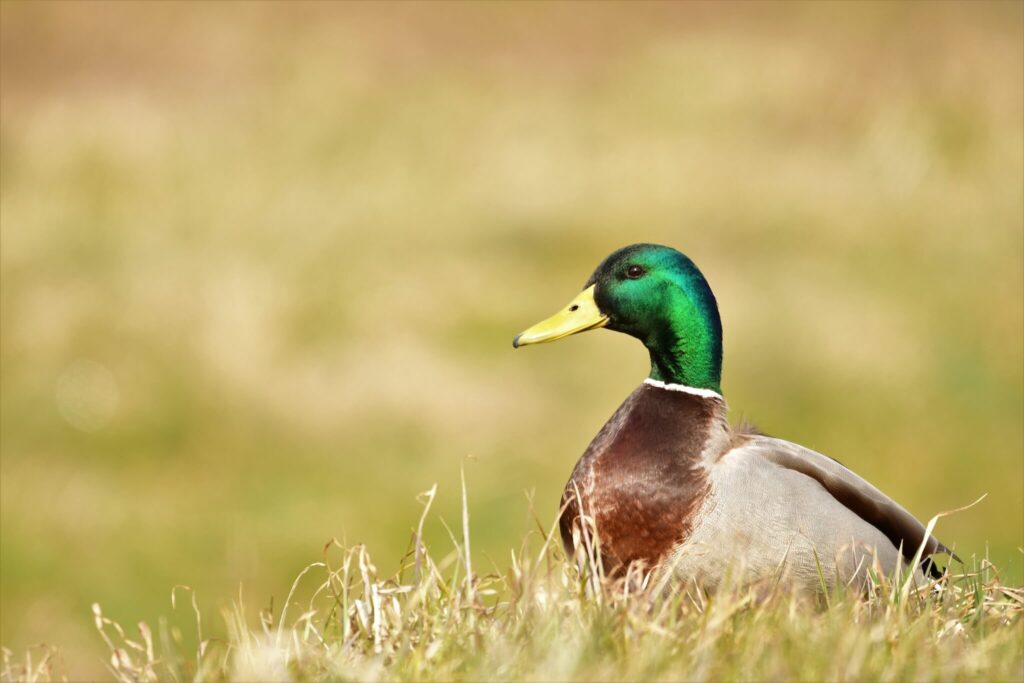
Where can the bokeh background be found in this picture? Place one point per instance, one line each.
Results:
(262, 265)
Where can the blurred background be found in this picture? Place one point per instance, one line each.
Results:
(262, 265)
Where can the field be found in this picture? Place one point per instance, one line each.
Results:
(261, 265)
(550, 618)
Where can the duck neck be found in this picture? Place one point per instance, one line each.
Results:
(687, 350)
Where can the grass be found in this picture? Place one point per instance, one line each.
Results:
(548, 617)
(261, 264)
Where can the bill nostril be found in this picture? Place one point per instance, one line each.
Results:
(574, 307)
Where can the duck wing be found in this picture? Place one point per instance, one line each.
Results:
(867, 502)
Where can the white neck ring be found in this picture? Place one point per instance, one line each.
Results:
(695, 391)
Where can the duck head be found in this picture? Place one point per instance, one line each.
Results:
(656, 294)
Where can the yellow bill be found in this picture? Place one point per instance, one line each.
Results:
(580, 315)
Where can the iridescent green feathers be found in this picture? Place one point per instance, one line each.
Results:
(658, 295)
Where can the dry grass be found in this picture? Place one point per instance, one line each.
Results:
(549, 617)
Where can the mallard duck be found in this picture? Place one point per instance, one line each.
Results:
(667, 482)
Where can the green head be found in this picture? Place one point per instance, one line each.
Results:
(656, 294)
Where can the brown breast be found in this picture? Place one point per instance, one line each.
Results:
(642, 479)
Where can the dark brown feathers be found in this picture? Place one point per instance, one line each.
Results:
(641, 479)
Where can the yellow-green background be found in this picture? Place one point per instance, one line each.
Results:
(262, 265)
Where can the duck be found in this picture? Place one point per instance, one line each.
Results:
(669, 484)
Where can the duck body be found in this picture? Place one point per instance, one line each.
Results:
(667, 482)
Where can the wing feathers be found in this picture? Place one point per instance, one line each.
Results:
(860, 497)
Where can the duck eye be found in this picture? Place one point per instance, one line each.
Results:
(634, 272)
